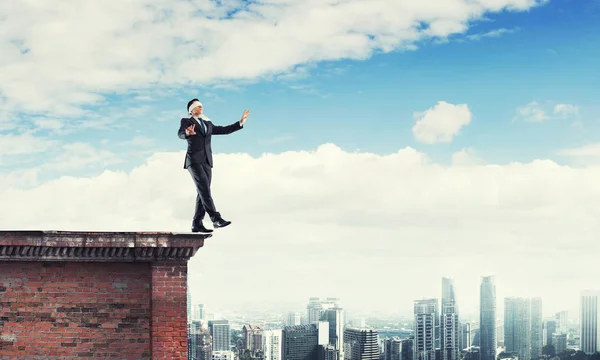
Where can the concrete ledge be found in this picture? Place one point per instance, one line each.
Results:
(98, 246)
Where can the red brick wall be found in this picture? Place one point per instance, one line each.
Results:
(76, 310)
(169, 310)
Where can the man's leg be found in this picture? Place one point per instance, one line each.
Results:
(204, 201)
(217, 220)
(200, 212)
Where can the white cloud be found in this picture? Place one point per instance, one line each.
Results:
(301, 215)
(55, 155)
(493, 33)
(13, 144)
(532, 112)
(536, 112)
(52, 156)
(586, 151)
(140, 141)
(24, 178)
(466, 157)
(79, 156)
(73, 53)
(441, 123)
(52, 124)
(566, 110)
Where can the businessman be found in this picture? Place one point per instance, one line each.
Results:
(197, 130)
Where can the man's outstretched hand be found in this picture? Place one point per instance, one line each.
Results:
(190, 130)
(244, 117)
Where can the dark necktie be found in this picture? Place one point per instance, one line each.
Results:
(202, 126)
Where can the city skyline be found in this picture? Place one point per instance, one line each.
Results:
(311, 307)
(521, 333)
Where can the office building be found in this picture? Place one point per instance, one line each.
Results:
(589, 321)
(487, 319)
(300, 342)
(361, 344)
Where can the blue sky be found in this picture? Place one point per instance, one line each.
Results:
(547, 54)
(551, 57)
(87, 91)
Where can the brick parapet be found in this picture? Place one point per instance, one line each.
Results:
(74, 295)
(98, 246)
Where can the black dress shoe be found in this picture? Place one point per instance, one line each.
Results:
(219, 223)
(200, 228)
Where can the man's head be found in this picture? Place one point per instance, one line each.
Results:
(194, 107)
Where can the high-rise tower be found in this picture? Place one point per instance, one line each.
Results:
(487, 318)
(590, 319)
(449, 322)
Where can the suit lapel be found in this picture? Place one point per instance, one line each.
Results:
(200, 125)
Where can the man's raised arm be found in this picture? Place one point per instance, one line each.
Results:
(224, 130)
(184, 132)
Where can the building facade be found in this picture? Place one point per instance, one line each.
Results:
(589, 320)
(220, 332)
(253, 337)
(449, 322)
(537, 328)
(300, 342)
(335, 317)
(487, 319)
(361, 344)
(272, 344)
(425, 314)
(517, 327)
(560, 342)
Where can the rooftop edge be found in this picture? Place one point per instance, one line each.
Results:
(98, 246)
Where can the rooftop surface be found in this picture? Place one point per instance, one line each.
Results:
(33, 245)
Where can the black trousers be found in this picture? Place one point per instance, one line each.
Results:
(202, 176)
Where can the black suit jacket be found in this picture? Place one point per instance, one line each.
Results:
(199, 148)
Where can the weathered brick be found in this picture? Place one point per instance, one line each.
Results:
(169, 311)
(94, 306)
(59, 303)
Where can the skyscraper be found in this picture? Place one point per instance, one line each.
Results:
(300, 342)
(562, 322)
(313, 309)
(560, 342)
(537, 338)
(193, 336)
(469, 330)
(272, 344)
(204, 350)
(328, 352)
(322, 332)
(252, 336)
(221, 335)
(316, 306)
(335, 317)
(449, 324)
(392, 349)
(425, 312)
(406, 348)
(200, 344)
(590, 319)
(487, 318)
(294, 318)
(199, 312)
(361, 344)
(517, 327)
(549, 331)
